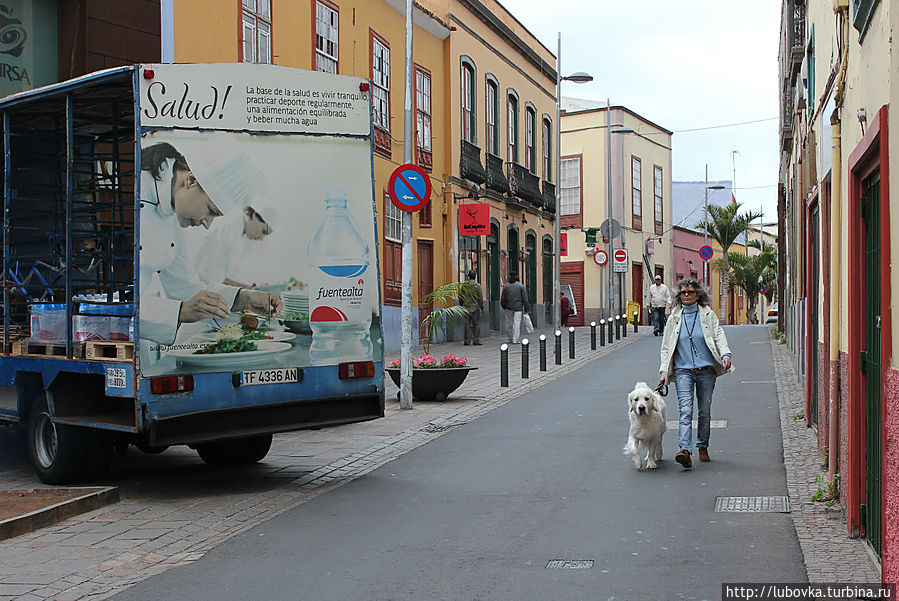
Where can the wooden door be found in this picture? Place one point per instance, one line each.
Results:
(425, 284)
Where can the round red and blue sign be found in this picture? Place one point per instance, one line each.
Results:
(409, 187)
(763, 289)
(706, 252)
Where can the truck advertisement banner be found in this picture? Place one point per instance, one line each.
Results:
(257, 251)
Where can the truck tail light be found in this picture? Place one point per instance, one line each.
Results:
(356, 370)
(170, 384)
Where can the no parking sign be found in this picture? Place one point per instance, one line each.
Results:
(409, 187)
(706, 252)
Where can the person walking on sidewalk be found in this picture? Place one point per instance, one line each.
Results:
(659, 302)
(694, 352)
(565, 306)
(514, 300)
(472, 298)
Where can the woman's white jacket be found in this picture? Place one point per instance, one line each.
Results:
(711, 331)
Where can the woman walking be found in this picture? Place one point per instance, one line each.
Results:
(694, 353)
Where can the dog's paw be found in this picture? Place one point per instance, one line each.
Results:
(651, 465)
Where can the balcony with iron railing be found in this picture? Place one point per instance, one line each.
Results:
(525, 185)
(549, 197)
(496, 178)
(470, 166)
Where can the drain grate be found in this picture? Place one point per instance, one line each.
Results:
(435, 429)
(753, 504)
(757, 382)
(569, 564)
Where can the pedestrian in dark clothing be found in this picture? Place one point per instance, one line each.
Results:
(514, 301)
(566, 309)
(472, 299)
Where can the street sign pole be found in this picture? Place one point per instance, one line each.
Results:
(406, 309)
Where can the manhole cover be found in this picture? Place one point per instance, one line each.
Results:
(569, 564)
(754, 504)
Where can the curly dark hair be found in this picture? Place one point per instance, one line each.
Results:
(702, 296)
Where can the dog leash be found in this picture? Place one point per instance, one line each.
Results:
(662, 389)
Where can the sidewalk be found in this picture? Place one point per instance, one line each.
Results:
(174, 509)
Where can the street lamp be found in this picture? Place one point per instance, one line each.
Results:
(706, 271)
(579, 77)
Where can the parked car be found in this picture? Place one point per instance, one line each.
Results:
(772, 314)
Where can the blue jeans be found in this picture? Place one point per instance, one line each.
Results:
(658, 319)
(686, 381)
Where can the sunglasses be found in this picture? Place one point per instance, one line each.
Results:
(686, 292)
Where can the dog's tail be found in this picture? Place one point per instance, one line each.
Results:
(629, 448)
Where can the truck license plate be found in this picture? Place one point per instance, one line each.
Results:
(270, 376)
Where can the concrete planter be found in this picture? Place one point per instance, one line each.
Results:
(433, 384)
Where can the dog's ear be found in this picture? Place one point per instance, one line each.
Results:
(656, 400)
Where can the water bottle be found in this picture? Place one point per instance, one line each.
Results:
(339, 287)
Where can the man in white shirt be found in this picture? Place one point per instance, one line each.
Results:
(659, 302)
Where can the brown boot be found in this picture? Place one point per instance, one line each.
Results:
(683, 458)
(704, 454)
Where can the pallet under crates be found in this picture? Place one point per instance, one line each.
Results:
(97, 350)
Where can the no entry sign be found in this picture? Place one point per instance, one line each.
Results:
(619, 260)
(706, 252)
(409, 187)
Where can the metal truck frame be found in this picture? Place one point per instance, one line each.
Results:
(70, 227)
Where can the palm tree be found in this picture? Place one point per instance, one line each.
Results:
(724, 225)
(749, 273)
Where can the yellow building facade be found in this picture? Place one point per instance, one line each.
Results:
(641, 193)
(484, 110)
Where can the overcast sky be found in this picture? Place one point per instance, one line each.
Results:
(683, 65)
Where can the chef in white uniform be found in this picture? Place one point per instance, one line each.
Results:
(177, 192)
(229, 245)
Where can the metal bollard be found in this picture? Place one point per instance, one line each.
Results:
(635, 322)
(617, 327)
(592, 335)
(611, 330)
(542, 352)
(571, 342)
(602, 332)
(504, 366)
(624, 325)
(558, 348)
(525, 357)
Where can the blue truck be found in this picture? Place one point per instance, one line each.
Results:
(189, 258)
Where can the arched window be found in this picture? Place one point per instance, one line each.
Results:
(468, 100)
(547, 149)
(492, 117)
(530, 138)
(512, 111)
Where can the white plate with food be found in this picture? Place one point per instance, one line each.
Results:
(264, 348)
(269, 336)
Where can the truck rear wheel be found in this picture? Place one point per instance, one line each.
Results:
(59, 453)
(236, 451)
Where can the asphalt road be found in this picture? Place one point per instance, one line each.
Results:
(478, 513)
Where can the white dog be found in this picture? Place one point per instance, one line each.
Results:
(648, 416)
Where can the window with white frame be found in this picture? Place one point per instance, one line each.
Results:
(513, 128)
(257, 31)
(637, 192)
(423, 108)
(570, 186)
(492, 117)
(547, 150)
(326, 37)
(380, 77)
(468, 102)
(393, 222)
(530, 127)
(657, 194)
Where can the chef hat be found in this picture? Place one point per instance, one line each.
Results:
(225, 172)
(265, 208)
